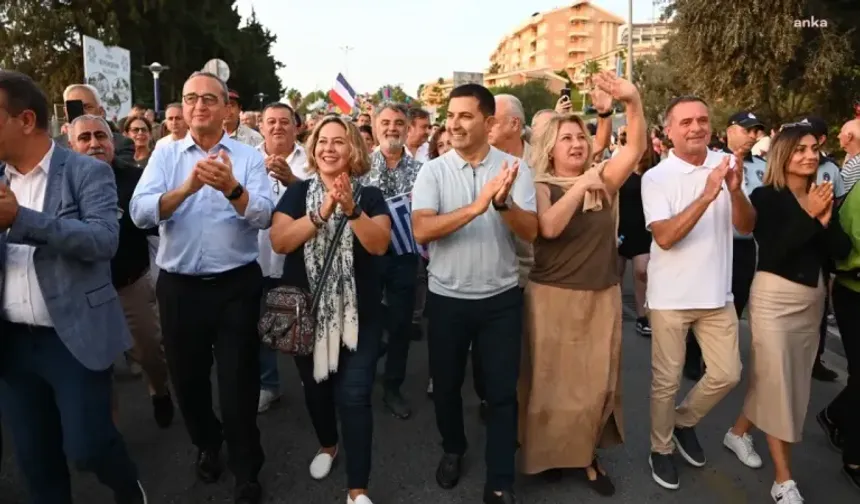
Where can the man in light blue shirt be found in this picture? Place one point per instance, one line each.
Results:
(209, 196)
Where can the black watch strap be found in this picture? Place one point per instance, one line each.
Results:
(237, 193)
(605, 115)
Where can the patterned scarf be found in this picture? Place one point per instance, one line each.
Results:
(337, 314)
(593, 201)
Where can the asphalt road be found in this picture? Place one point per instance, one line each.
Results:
(406, 452)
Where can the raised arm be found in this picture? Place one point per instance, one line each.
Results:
(619, 168)
(93, 236)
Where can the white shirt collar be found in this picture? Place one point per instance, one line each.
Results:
(44, 164)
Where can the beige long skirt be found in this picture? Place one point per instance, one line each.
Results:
(784, 317)
(570, 388)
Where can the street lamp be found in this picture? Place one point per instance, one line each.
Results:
(261, 97)
(156, 69)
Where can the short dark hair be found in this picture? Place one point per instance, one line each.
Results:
(486, 101)
(279, 105)
(366, 129)
(22, 94)
(365, 114)
(674, 102)
(417, 113)
(139, 106)
(173, 105)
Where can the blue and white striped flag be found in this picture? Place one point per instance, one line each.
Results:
(402, 239)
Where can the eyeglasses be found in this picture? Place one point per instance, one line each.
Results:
(208, 99)
(136, 131)
(276, 187)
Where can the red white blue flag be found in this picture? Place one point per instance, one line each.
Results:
(342, 95)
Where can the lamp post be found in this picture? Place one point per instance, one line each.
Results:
(261, 97)
(156, 69)
(346, 50)
(630, 40)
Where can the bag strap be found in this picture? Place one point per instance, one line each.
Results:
(329, 255)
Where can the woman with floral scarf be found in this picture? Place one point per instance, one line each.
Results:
(341, 370)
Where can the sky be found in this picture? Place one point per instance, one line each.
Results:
(397, 42)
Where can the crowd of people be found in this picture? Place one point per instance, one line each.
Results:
(503, 242)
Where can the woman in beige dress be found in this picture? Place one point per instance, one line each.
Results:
(569, 393)
(796, 237)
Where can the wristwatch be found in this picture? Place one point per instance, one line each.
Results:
(509, 202)
(356, 213)
(605, 115)
(237, 193)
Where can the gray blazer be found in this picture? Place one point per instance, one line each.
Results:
(75, 236)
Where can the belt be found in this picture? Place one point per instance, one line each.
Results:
(211, 278)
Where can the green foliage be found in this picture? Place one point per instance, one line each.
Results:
(750, 55)
(494, 68)
(534, 96)
(42, 38)
(310, 99)
(397, 94)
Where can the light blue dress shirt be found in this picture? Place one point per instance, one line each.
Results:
(205, 235)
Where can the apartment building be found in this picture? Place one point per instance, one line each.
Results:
(560, 39)
(648, 38)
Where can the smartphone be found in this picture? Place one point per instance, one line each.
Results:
(566, 92)
(74, 109)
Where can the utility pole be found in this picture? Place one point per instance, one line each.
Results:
(630, 40)
(346, 50)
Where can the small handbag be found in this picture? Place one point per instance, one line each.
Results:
(288, 322)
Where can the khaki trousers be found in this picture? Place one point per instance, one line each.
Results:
(717, 333)
(141, 314)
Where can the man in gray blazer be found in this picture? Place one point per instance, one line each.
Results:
(62, 323)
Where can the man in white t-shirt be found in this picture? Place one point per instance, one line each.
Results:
(175, 123)
(692, 201)
(286, 163)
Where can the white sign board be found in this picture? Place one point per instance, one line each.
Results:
(461, 78)
(108, 69)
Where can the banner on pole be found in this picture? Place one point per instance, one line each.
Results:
(108, 69)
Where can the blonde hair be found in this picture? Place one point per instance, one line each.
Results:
(359, 159)
(779, 156)
(541, 158)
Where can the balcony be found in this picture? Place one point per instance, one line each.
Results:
(576, 50)
(579, 33)
(580, 17)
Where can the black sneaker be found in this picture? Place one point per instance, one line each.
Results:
(643, 327)
(663, 471)
(688, 446)
(853, 475)
(822, 373)
(396, 404)
(209, 466)
(506, 497)
(248, 493)
(448, 472)
(694, 370)
(834, 438)
(162, 410)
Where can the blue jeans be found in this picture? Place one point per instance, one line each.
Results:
(270, 379)
(346, 393)
(56, 408)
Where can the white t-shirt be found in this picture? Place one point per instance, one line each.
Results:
(696, 273)
(271, 263)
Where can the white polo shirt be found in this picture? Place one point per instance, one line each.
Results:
(696, 273)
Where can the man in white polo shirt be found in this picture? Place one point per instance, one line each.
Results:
(469, 205)
(692, 200)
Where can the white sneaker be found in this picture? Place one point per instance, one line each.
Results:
(430, 387)
(267, 399)
(743, 447)
(321, 465)
(786, 493)
(362, 499)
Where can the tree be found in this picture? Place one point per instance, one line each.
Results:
(755, 57)
(590, 68)
(312, 98)
(534, 96)
(294, 96)
(494, 68)
(42, 39)
(397, 94)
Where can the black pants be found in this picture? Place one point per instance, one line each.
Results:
(348, 392)
(399, 277)
(494, 326)
(202, 316)
(743, 271)
(58, 411)
(844, 411)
